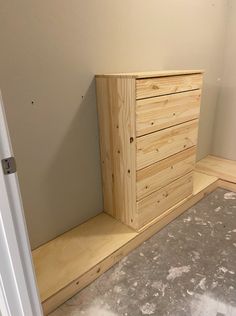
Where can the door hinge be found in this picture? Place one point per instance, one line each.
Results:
(9, 165)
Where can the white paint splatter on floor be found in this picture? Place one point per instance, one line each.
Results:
(190, 293)
(230, 196)
(214, 284)
(187, 219)
(159, 285)
(223, 269)
(176, 272)
(97, 309)
(118, 273)
(202, 284)
(148, 309)
(207, 305)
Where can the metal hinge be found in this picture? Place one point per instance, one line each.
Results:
(9, 165)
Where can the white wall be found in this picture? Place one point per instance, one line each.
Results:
(224, 140)
(50, 51)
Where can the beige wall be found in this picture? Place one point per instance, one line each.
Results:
(50, 51)
(224, 140)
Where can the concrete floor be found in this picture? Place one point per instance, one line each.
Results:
(188, 268)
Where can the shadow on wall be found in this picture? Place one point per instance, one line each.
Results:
(74, 174)
(208, 105)
(224, 128)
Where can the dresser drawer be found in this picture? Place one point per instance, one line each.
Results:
(162, 144)
(151, 87)
(156, 113)
(158, 175)
(158, 202)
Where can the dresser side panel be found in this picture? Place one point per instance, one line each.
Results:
(116, 108)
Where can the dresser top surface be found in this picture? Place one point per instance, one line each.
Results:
(151, 74)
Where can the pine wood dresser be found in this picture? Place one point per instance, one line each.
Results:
(148, 125)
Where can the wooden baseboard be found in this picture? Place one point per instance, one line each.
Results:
(69, 263)
(221, 168)
(227, 185)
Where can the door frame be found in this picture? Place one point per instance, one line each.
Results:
(18, 288)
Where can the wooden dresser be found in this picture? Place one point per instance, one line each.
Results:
(148, 126)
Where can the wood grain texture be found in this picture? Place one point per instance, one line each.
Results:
(150, 74)
(201, 188)
(162, 144)
(222, 168)
(70, 262)
(227, 185)
(201, 181)
(152, 87)
(160, 174)
(116, 111)
(158, 202)
(156, 113)
(70, 255)
(122, 153)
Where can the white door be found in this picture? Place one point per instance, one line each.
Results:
(18, 290)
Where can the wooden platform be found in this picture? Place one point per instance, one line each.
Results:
(68, 263)
(221, 168)
(64, 259)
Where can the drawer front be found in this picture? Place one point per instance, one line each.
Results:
(158, 202)
(153, 114)
(162, 144)
(158, 175)
(151, 87)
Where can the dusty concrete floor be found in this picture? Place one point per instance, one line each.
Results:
(188, 268)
